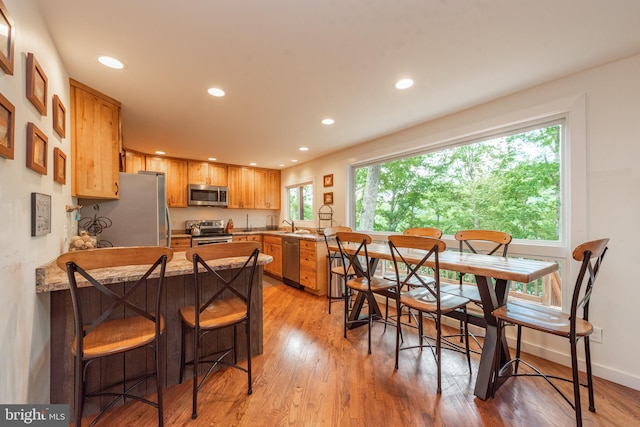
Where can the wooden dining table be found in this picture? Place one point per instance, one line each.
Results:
(492, 275)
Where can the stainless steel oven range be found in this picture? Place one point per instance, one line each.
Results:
(206, 232)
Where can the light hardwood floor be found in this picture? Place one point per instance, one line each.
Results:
(309, 375)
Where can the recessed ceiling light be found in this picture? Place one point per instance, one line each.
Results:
(213, 159)
(328, 121)
(111, 62)
(214, 91)
(404, 83)
(303, 149)
(293, 161)
(252, 164)
(281, 165)
(160, 152)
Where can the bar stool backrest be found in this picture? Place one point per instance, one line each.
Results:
(469, 238)
(150, 258)
(423, 231)
(358, 242)
(203, 258)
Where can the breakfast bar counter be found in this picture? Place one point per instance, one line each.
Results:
(178, 292)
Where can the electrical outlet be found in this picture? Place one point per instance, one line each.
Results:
(596, 336)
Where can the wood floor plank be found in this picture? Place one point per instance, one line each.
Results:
(309, 375)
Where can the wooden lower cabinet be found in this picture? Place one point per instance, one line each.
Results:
(180, 243)
(273, 246)
(313, 266)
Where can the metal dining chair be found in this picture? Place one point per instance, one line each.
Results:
(489, 242)
(364, 282)
(571, 326)
(424, 299)
(334, 261)
(222, 300)
(105, 336)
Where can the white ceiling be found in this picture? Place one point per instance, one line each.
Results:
(287, 64)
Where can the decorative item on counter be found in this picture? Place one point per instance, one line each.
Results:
(229, 227)
(82, 242)
(93, 226)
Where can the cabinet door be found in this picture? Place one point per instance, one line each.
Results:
(177, 183)
(241, 189)
(273, 246)
(273, 189)
(217, 174)
(260, 189)
(175, 171)
(267, 189)
(134, 162)
(197, 172)
(95, 144)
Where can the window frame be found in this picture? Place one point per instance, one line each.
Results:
(573, 176)
(300, 187)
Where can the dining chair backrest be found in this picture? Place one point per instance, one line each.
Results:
(421, 248)
(591, 254)
(80, 263)
(423, 231)
(330, 236)
(357, 242)
(203, 257)
(469, 240)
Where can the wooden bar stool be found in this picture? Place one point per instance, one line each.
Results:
(570, 325)
(334, 262)
(227, 304)
(111, 334)
(425, 298)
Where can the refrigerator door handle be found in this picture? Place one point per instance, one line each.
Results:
(166, 209)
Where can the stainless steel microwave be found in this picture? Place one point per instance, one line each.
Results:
(207, 195)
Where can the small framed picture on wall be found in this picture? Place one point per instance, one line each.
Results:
(328, 198)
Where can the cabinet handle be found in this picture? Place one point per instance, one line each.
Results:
(117, 189)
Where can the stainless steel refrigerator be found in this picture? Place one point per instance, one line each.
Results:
(140, 216)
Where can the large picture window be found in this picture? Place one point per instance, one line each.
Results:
(509, 182)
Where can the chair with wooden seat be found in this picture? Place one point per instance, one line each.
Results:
(364, 282)
(572, 325)
(223, 298)
(424, 299)
(490, 242)
(335, 264)
(107, 333)
(424, 280)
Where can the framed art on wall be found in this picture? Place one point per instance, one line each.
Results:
(40, 214)
(328, 198)
(59, 166)
(7, 126)
(36, 84)
(59, 116)
(328, 180)
(36, 149)
(6, 40)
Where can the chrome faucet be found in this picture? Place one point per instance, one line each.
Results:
(293, 228)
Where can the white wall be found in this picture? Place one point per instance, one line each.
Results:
(613, 192)
(24, 317)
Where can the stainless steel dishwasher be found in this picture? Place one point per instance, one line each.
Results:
(291, 261)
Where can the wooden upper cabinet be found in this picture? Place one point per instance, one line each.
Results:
(241, 187)
(175, 171)
(207, 173)
(267, 189)
(134, 162)
(95, 143)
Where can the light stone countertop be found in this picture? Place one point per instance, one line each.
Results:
(50, 277)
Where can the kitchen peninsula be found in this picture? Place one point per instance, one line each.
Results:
(178, 292)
